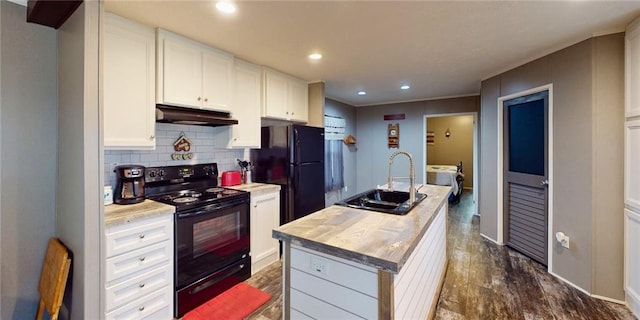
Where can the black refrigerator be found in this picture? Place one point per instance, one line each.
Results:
(293, 157)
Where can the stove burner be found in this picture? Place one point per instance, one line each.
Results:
(185, 199)
(228, 191)
(214, 190)
(190, 194)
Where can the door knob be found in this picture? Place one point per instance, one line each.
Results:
(544, 182)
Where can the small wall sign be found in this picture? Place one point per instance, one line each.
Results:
(398, 116)
(393, 135)
(181, 147)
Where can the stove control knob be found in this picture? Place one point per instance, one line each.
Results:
(161, 172)
(152, 173)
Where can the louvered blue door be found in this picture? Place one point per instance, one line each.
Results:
(525, 175)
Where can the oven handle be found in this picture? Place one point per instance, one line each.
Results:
(217, 279)
(212, 207)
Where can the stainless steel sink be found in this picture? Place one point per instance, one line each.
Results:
(380, 200)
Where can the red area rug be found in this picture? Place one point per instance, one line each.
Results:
(236, 303)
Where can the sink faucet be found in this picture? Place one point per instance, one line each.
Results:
(412, 175)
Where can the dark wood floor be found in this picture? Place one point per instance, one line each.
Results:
(483, 281)
(269, 280)
(488, 281)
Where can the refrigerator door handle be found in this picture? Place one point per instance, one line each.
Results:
(296, 143)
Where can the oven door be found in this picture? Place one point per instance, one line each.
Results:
(210, 238)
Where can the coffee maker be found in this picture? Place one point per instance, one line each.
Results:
(130, 184)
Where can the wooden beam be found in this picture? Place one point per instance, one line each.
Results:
(385, 295)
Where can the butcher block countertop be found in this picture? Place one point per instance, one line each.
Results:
(380, 240)
(256, 189)
(116, 214)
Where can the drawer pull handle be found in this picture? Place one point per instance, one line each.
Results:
(142, 258)
(141, 308)
(141, 236)
(141, 285)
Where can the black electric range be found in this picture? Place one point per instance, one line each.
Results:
(211, 233)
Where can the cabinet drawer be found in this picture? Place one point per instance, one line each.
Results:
(139, 286)
(127, 238)
(137, 262)
(156, 306)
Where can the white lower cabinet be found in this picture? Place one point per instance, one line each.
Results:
(265, 216)
(632, 278)
(139, 269)
(157, 305)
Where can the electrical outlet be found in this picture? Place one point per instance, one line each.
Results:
(565, 242)
(319, 266)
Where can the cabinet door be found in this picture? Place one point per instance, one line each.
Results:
(217, 75)
(275, 95)
(265, 216)
(129, 85)
(632, 165)
(182, 73)
(299, 100)
(632, 66)
(246, 106)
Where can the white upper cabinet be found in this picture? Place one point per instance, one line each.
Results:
(246, 106)
(285, 97)
(217, 80)
(191, 74)
(299, 104)
(129, 84)
(632, 65)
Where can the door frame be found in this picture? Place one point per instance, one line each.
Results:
(500, 178)
(476, 167)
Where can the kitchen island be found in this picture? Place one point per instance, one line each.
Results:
(342, 262)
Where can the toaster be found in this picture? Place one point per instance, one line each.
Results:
(230, 178)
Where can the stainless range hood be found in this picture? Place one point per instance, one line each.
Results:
(178, 115)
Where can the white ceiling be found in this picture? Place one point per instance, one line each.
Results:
(440, 48)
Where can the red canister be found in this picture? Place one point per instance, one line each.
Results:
(230, 178)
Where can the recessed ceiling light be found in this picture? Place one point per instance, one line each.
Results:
(226, 6)
(405, 87)
(362, 93)
(315, 56)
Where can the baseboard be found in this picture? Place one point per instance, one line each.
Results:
(609, 299)
(587, 292)
(570, 283)
(434, 303)
(486, 237)
(633, 301)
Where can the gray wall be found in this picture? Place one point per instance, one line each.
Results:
(586, 81)
(348, 113)
(373, 153)
(28, 156)
(608, 207)
(458, 147)
(79, 206)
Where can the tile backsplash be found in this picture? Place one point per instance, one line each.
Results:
(204, 148)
